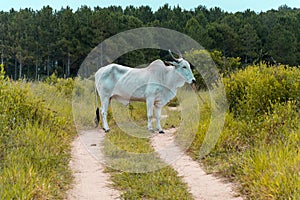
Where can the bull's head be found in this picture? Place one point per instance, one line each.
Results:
(183, 68)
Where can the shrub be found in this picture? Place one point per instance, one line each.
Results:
(251, 92)
(62, 85)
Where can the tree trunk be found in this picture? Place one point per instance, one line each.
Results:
(48, 66)
(20, 66)
(20, 70)
(2, 57)
(28, 72)
(68, 65)
(36, 70)
(16, 68)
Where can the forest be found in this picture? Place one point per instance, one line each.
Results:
(38, 43)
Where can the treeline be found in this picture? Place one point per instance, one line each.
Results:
(46, 41)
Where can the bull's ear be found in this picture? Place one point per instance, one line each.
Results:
(173, 63)
(192, 66)
(167, 63)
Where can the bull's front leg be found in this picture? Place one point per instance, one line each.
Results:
(158, 115)
(104, 110)
(150, 104)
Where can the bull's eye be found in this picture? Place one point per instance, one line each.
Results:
(184, 67)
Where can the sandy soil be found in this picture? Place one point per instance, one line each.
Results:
(90, 180)
(201, 185)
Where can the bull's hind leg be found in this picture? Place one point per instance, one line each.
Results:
(104, 110)
(97, 118)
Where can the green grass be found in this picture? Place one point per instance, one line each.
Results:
(271, 172)
(35, 135)
(152, 178)
(161, 184)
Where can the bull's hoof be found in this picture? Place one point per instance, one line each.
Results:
(161, 132)
(106, 130)
(96, 124)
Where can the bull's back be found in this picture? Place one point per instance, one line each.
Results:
(112, 71)
(107, 77)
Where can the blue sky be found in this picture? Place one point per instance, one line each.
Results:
(227, 5)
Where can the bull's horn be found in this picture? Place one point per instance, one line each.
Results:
(179, 53)
(170, 52)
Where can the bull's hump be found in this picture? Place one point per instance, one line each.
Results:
(119, 68)
(157, 64)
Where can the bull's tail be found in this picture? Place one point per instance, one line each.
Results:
(97, 118)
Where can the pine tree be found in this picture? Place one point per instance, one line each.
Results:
(249, 44)
(198, 32)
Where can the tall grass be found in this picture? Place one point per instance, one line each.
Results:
(84, 105)
(35, 134)
(259, 144)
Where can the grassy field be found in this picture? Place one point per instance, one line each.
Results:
(258, 147)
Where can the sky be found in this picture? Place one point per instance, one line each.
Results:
(226, 5)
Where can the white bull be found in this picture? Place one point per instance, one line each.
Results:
(156, 85)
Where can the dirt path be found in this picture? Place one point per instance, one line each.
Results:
(92, 183)
(201, 185)
(90, 180)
